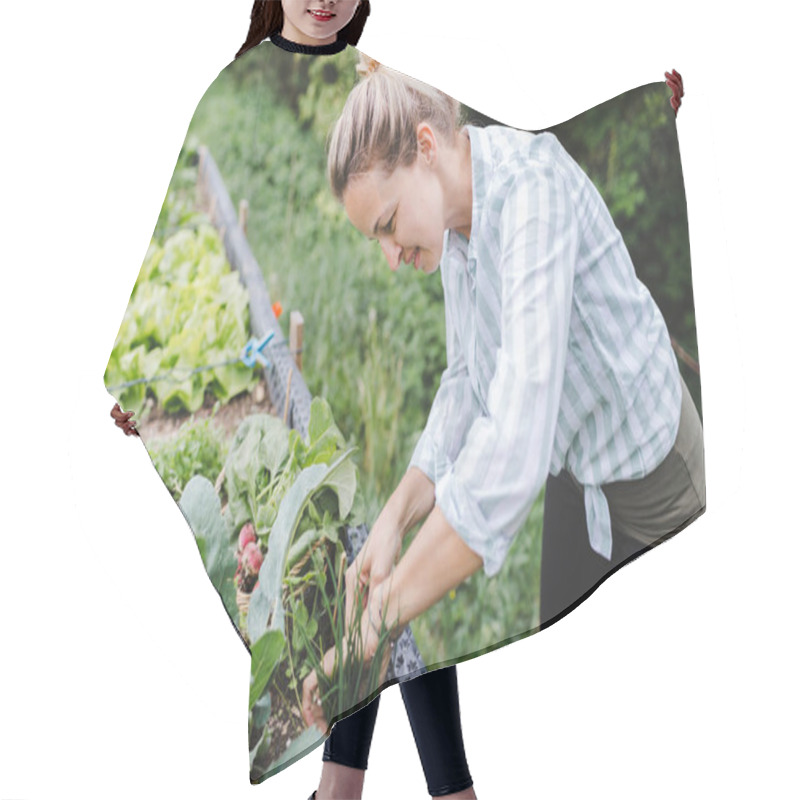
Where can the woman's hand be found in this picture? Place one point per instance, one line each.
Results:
(370, 636)
(312, 704)
(122, 419)
(411, 501)
(373, 564)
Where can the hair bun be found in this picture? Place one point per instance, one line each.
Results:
(366, 66)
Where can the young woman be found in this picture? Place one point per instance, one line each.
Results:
(314, 23)
(560, 371)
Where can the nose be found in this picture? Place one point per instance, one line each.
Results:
(393, 253)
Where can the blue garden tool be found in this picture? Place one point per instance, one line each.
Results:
(253, 351)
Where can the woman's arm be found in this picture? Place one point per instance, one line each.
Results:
(411, 501)
(436, 562)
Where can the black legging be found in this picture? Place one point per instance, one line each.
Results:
(432, 705)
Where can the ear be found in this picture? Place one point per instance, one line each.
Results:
(427, 146)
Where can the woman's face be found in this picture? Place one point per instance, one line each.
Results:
(404, 211)
(316, 22)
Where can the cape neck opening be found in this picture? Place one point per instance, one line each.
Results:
(308, 49)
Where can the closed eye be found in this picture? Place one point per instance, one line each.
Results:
(388, 228)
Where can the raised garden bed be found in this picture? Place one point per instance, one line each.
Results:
(262, 475)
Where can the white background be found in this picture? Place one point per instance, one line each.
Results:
(121, 675)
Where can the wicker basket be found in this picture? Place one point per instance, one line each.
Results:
(243, 601)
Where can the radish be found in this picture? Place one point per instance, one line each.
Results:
(246, 535)
(251, 559)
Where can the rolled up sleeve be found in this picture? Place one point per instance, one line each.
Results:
(488, 490)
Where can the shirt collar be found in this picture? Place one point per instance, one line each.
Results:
(480, 156)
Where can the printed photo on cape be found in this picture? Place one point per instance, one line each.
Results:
(282, 377)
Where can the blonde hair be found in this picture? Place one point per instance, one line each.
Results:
(378, 125)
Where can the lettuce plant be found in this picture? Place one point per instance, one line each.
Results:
(187, 312)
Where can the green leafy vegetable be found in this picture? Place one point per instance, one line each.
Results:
(198, 449)
(187, 310)
(260, 738)
(265, 655)
(200, 505)
(258, 450)
(266, 609)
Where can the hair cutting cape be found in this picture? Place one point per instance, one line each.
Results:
(283, 379)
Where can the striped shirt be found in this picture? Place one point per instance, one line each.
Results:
(557, 355)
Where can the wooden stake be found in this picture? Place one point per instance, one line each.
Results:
(296, 326)
(244, 208)
(218, 482)
(288, 394)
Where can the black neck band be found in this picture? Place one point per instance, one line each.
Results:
(309, 49)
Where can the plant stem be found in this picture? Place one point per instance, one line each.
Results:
(291, 667)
